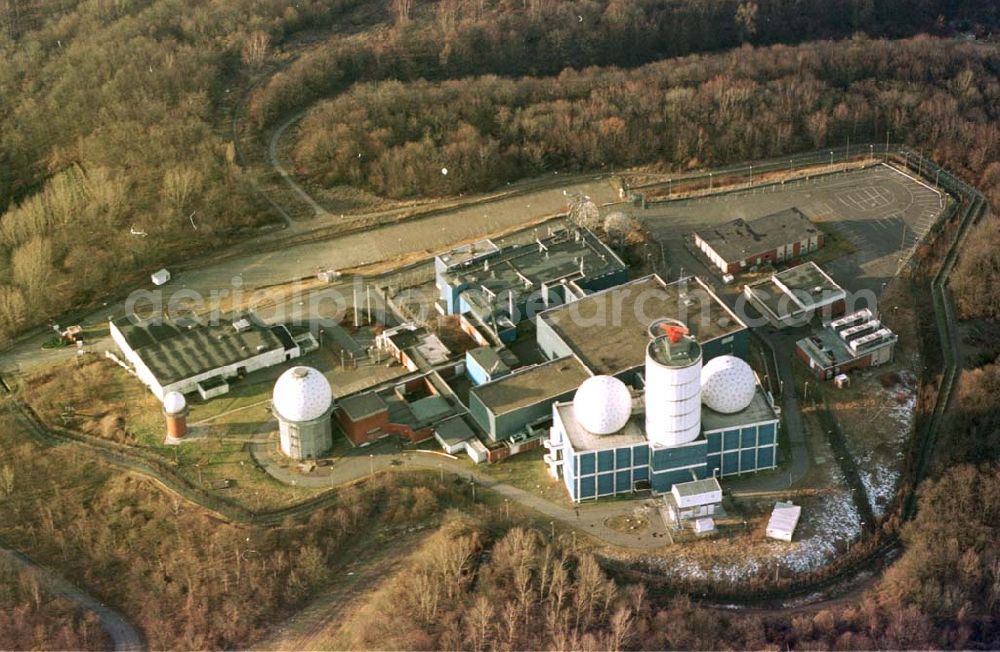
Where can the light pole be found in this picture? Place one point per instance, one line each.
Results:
(871, 152)
(506, 507)
(831, 157)
(751, 176)
(371, 463)
(709, 180)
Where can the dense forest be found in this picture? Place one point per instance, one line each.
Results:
(115, 156)
(751, 103)
(456, 38)
(109, 113)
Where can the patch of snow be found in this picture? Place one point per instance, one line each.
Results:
(831, 523)
(880, 484)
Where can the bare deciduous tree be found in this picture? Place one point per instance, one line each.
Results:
(256, 48)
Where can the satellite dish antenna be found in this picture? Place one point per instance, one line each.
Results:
(444, 171)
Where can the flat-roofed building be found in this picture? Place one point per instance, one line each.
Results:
(363, 417)
(191, 356)
(508, 405)
(855, 341)
(498, 287)
(609, 330)
(694, 503)
(741, 244)
(484, 364)
(794, 296)
(596, 466)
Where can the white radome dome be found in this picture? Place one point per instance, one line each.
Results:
(301, 394)
(174, 403)
(728, 384)
(602, 405)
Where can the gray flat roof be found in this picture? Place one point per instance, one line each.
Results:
(829, 347)
(175, 351)
(489, 359)
(806, 287)
(697, 487)
(740, 239)
(362, 405)
(468, 251)
(429, 408)
(525, 267)
(608, 330)
(454, 431)
(583, 440)
(532, 385)
(758, 411)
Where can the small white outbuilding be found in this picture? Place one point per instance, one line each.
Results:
(160, 277)
(784, 519)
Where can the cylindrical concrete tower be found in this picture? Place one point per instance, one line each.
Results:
(303, 401)
(673, 389)
(175, 410)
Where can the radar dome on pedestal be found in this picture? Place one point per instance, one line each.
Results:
(303, 401)
(174, 403)
(728, 384)
(602, 405)
(302, 394)
(175, 411)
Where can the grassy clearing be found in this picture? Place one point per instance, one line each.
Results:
(527, 471)
(98, 398)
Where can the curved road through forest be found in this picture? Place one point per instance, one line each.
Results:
(122, 633)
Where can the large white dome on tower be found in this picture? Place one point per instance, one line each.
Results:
(728, 384)
(301, 394)
(602, 405)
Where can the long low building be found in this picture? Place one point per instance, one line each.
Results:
(188, 357)
(855, 341)
(742, 244)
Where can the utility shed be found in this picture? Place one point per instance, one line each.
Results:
(160, 277)
(784, 519)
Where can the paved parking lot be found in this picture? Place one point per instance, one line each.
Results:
(881, 211)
